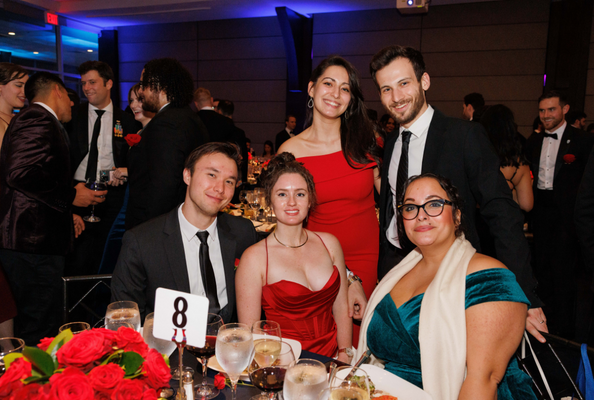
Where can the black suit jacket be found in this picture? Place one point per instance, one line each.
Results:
(36, 190)
(281, 138)
(79, 135)
(568, 175)
(153, 256)
(461, 151)
(156, 163)
(584, 213)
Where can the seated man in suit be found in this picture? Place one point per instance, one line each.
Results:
(193, 248)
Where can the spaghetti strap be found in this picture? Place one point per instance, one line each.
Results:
(266, 245)
(324, 246)
(510, 180)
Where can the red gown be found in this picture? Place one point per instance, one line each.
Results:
(346, 209)
(303, 314)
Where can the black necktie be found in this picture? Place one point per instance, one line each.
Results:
(208, 276)
(402, 166)
(94, 151)
(551, 135)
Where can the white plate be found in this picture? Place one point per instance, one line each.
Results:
(393, 385)
(214, 364)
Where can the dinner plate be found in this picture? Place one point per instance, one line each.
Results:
(393, 385)
(214, 364)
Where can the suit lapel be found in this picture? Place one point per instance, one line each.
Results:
(387, 203)
(83, 130)
(433, 144)
(563, 148)
(174, 248)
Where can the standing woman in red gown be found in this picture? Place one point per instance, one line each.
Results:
(339, 149)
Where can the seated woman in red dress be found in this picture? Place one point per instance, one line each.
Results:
(297, 276)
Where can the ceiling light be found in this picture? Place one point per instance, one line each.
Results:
(11, 33)
(35, 52)
(90, 50)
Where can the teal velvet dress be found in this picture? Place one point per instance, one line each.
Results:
(393, 333)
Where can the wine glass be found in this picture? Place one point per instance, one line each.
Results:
(243, 198)
(234, 350)
(355, 387)
(267, 370)
(349, 392)
(9, 345)
(267, 327)
(304, 380)
(75, 327)
(206, 390)
(162, 346)
(96, 186)
(122, 311)
(254, 200)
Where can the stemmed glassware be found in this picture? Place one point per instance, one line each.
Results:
(96, 186)
(267, 370)
(355, 387)
(305, 379)
(75, 327)
(9, 345)
(214, 323)
(254, 201)
(162, 346)
(234, 350)
(122, 311)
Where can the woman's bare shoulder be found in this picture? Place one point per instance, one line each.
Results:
(480, 262)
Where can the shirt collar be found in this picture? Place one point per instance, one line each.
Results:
(207, 108)
(559, 131)
(164, 105)
(108, 108)
(47, 108)
(421, 125)
(189, 231)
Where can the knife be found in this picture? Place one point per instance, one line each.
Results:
(363, 358)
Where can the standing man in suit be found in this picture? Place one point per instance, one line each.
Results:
(428, 141)
(194, 247)
(287, 133)
(36, 196)
(558, 158)
(156, 162)
(97, 143)
(226, 108)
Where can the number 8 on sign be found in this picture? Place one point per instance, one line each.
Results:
(178, 310)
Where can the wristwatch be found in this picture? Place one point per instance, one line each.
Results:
(349, 352)
(353, 278)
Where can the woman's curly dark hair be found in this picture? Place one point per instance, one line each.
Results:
(356, 130)
(172, 77)
(285, 163)
(451, 192)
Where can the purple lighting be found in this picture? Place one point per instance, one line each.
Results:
(545, 80)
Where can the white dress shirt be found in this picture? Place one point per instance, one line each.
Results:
(416, 149)
(104, 142)
(47, 108)
(548, 157)
(192, 252)
(290, 132)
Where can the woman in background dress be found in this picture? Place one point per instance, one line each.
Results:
(339, 148)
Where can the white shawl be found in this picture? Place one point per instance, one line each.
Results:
(442, 321)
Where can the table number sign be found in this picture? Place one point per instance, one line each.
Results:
(176, 312)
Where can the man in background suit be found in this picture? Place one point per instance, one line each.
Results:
(36, 196)
(287, 133)
(156, 163)
(455, 149)
(167, 251)
(558, 158)
(97, 143)
(226, 108)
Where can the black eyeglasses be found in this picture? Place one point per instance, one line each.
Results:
(432, 208)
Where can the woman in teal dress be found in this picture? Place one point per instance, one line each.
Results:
(446, 319)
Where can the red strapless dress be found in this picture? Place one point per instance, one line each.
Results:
(303, 314)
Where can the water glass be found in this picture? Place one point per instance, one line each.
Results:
(305, 380)
(122, 311)
(75, 327)
(9, 345)
(357, 385)
(234, 351)
(161, 345)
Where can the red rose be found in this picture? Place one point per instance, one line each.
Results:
(568, 158)
(158, 374)
(72, 384)
(219, 381)
(105, 378)
(11, 380)
(236, 263)
(84, 349)
(45, 342)
(150, 394)
(34, 391)
(102, 396)
(128, 339)
(128, 389)
(132, 139)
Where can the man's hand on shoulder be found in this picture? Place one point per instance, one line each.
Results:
(86, 197)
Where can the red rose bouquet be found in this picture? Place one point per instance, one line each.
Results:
(93, 365)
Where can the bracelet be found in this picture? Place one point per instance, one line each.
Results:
(352, 278)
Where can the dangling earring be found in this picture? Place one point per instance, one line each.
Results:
(310, 103)
(346, 114)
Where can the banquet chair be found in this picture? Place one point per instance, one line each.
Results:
(552, 366)
(90, 306)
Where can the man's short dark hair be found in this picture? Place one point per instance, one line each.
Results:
(102, 68)
(551, 94)
(573, 116)
(388, 54)
(170, 76)
(226, 107)
(289, 116)
(230, 150)
(476, 100)
(40, 83)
